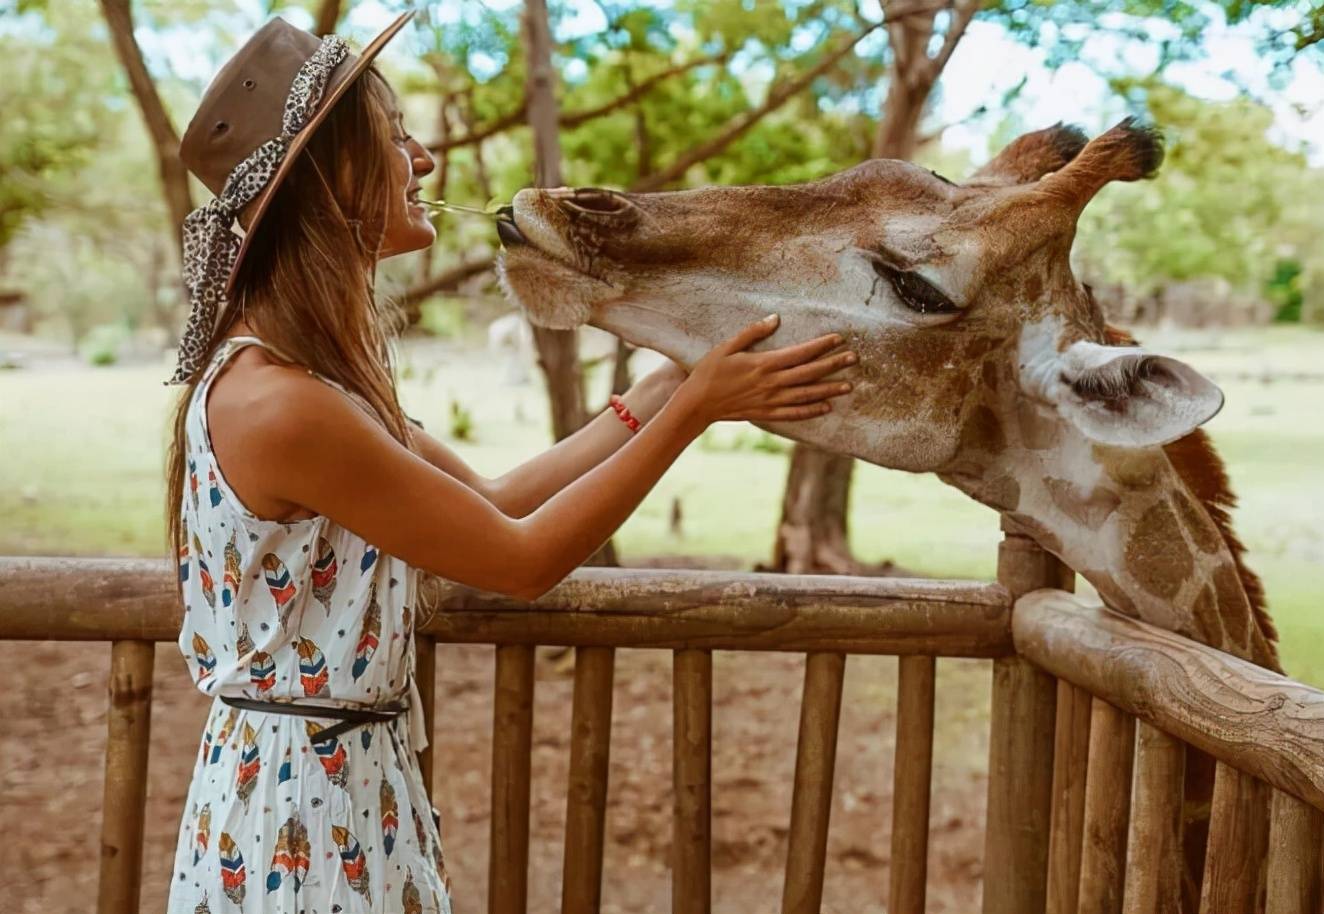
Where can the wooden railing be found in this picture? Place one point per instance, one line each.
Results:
(1070, 681)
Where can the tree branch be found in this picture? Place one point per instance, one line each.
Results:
(937, 132)
(518, 117)
(506, 122)
(962, 13)
(575, 118)
(445, 281)
(739, 125)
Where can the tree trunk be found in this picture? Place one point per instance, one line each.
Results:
(908, 87)
(812, 537)
(558, 350)
(328, 14)
(439, 179)
(558, 354)
(165, 141)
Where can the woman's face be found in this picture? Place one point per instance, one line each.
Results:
(408, 227)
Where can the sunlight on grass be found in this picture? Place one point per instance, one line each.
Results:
(81, 472)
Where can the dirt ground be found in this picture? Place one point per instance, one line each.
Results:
(52, 699)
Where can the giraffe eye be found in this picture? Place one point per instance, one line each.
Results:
(916, 292)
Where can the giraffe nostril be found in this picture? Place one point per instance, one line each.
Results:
(596, 200)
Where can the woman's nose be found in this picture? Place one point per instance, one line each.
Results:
(421, 159)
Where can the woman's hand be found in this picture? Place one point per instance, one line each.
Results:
(775, 385)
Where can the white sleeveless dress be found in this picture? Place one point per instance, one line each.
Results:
(300, 611)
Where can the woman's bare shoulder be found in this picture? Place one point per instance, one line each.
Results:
(254, 385)
(263, 417)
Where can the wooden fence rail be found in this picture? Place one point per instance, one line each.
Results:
(1155, 693)
(1251, 718)
(132, 599)
(1091, 716)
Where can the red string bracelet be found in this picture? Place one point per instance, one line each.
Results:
(623, 412)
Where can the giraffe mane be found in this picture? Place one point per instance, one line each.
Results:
(1201, 468)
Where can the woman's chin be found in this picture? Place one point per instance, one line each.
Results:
(420, 235)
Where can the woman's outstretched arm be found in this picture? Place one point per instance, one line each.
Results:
(523, 489)
(304, 443)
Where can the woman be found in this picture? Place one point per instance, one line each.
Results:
(303, 504)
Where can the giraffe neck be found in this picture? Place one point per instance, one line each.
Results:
(1126, 521)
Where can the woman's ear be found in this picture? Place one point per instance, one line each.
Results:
(1128, 397)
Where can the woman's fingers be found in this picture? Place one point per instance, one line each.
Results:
(774, 385)
(812, 371)
(809, 393)
(788, 356)
(751, 334)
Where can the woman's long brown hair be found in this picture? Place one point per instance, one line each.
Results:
(305, 284)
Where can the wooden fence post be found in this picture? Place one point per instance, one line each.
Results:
(912, 777)
(692, 763)
(586, 790)
(811, 799)
(1071, 749)
(1154, 860)
(124, 803)
(1020, 757)
(1107, 809)
(425, 677)
(1238, 842)
(1071, 746)
(1296, 839)
(512, 743)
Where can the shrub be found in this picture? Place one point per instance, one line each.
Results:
(103, 343)
(443, 317)
(462, 423)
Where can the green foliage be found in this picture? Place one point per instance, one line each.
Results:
(88, 236)
(482, 60)
(102, 344)
(97, 248)
(461, 422)
(743, 439)
(1284, 290)
(444, 317)
(1221, 206)
(53, 116)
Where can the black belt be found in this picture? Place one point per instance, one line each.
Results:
(349, 717)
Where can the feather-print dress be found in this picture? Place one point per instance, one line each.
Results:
(303, 611)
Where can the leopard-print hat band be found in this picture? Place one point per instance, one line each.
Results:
(211, 245)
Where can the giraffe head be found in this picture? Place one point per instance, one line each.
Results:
(948, 292)
(982, 358)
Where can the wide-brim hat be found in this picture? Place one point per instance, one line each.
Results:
(245, 103)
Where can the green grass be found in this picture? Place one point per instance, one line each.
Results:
(82, 454)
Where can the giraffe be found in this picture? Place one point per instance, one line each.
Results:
(982, 359)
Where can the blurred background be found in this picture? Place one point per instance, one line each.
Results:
(1219, 259)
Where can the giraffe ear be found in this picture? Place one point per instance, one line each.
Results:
(1126, 396)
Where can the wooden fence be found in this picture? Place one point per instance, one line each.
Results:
(1091, 716)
